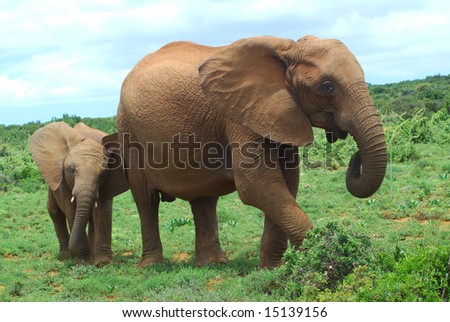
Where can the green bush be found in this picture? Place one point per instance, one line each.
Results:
(400, 277)
(327, 256)
(420, 276)
(439, 127)
(18, 171)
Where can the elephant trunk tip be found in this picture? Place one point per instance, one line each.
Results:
(360, 183)
(74, 250)
(79, 249)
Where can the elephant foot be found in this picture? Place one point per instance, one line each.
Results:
(64, 254)
(149, 260)
(82, 261)
(267, 263)
(218, 258)
(102, 260)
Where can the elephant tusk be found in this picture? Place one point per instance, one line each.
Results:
(73, 199)
(96, 204)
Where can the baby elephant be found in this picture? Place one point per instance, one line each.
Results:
(81, 183)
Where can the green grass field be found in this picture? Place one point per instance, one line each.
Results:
(407, 222)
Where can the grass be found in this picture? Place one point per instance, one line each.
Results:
(407, 218)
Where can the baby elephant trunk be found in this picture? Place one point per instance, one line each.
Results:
(79, 247)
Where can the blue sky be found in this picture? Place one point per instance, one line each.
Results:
(70, 57)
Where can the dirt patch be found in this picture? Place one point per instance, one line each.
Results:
(402, 220)
(10, 257)
(57, 288)
(52, 273)
(388, 215)
(445, 223)
(213, 283)
(46, 255)
(442, 222)
(181, 257)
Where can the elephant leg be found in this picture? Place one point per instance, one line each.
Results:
(101, 244)
(261, 182)
(60, 224)
(151, 241)
(207, 245)
(274, 240)
(147, 202)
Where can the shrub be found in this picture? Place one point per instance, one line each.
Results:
(326, 257)
(439, 127)
(417, 129)
(402, 137)
(420, 276)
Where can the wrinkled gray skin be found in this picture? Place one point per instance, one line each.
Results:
(251, 91)
(74, 164)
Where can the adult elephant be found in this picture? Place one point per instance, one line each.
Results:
(74, 164)
(198, 122)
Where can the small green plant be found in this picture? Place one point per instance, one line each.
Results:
(443, 176)
(17, 290)
(326, 257)
(410, 204)
(177, 222)
(370, 201)
(426, 191)
(434, 202)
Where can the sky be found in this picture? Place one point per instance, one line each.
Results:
(70, 57)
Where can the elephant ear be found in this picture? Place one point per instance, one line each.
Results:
(89, 133)
(49, 147)
(247, 83)
(116, 181)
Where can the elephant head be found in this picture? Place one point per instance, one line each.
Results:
(74, 163)
(279, 89)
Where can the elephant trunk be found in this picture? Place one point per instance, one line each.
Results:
(367, 167)
(79, 246)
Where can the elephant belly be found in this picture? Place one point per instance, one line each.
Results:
(189, 185)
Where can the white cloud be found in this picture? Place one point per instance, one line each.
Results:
(64, 90)
(15, 89)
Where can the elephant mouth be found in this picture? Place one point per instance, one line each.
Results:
(326, 121)
(334, 134)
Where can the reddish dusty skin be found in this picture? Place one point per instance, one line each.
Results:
(240, 96)
(74, 164)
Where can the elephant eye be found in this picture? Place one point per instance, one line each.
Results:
(328, 87)
(71, 169)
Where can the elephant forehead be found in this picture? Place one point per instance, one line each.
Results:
(329, 50)
(88, 149)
